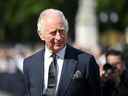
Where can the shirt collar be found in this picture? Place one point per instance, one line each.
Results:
(48, 52)
(60, 54)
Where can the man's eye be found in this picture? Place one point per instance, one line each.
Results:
(61, 31)
(53, 33)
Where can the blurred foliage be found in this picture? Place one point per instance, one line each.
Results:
(125, 52)
(103, 5)
(118, 6)
(18, 18)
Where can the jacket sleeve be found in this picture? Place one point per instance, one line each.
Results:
(90, 69)
(26, 78)
(93, 77)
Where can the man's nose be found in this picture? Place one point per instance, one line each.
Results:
(58, 36)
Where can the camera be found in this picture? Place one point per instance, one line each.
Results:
(108, 70)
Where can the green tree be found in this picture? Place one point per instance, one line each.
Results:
(108, 6)
(18, 18)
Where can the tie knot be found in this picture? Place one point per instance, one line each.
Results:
(53, 55)
(54, 58)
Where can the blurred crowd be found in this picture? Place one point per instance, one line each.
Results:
(11, 68)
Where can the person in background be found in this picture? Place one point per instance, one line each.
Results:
(115, 77)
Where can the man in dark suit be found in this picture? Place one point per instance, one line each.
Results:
(76, 74)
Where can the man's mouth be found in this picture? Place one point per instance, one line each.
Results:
(60, 43)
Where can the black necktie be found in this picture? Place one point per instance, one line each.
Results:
(52, 78)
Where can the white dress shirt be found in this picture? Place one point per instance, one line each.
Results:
(47, 62)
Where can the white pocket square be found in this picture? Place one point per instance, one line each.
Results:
(77, 75)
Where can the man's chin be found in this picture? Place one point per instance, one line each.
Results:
(58, 48)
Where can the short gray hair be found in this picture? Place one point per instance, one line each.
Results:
(40, 24)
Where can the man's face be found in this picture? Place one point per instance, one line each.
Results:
(54, 35)
(116, 62)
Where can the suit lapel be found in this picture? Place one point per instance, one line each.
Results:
(39, 69)
(42, 72)
(68, 69)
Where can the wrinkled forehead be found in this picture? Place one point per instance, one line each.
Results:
(53, 21)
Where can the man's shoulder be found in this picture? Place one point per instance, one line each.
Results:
(78, 52)
(34, 55)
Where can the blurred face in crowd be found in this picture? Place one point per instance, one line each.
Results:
(54, 33)
(117, 62)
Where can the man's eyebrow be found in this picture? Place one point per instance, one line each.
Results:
(58, 29)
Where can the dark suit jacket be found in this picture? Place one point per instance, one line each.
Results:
(75, 61)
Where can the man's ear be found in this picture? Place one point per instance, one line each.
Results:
(41, 35)
(67, 37)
